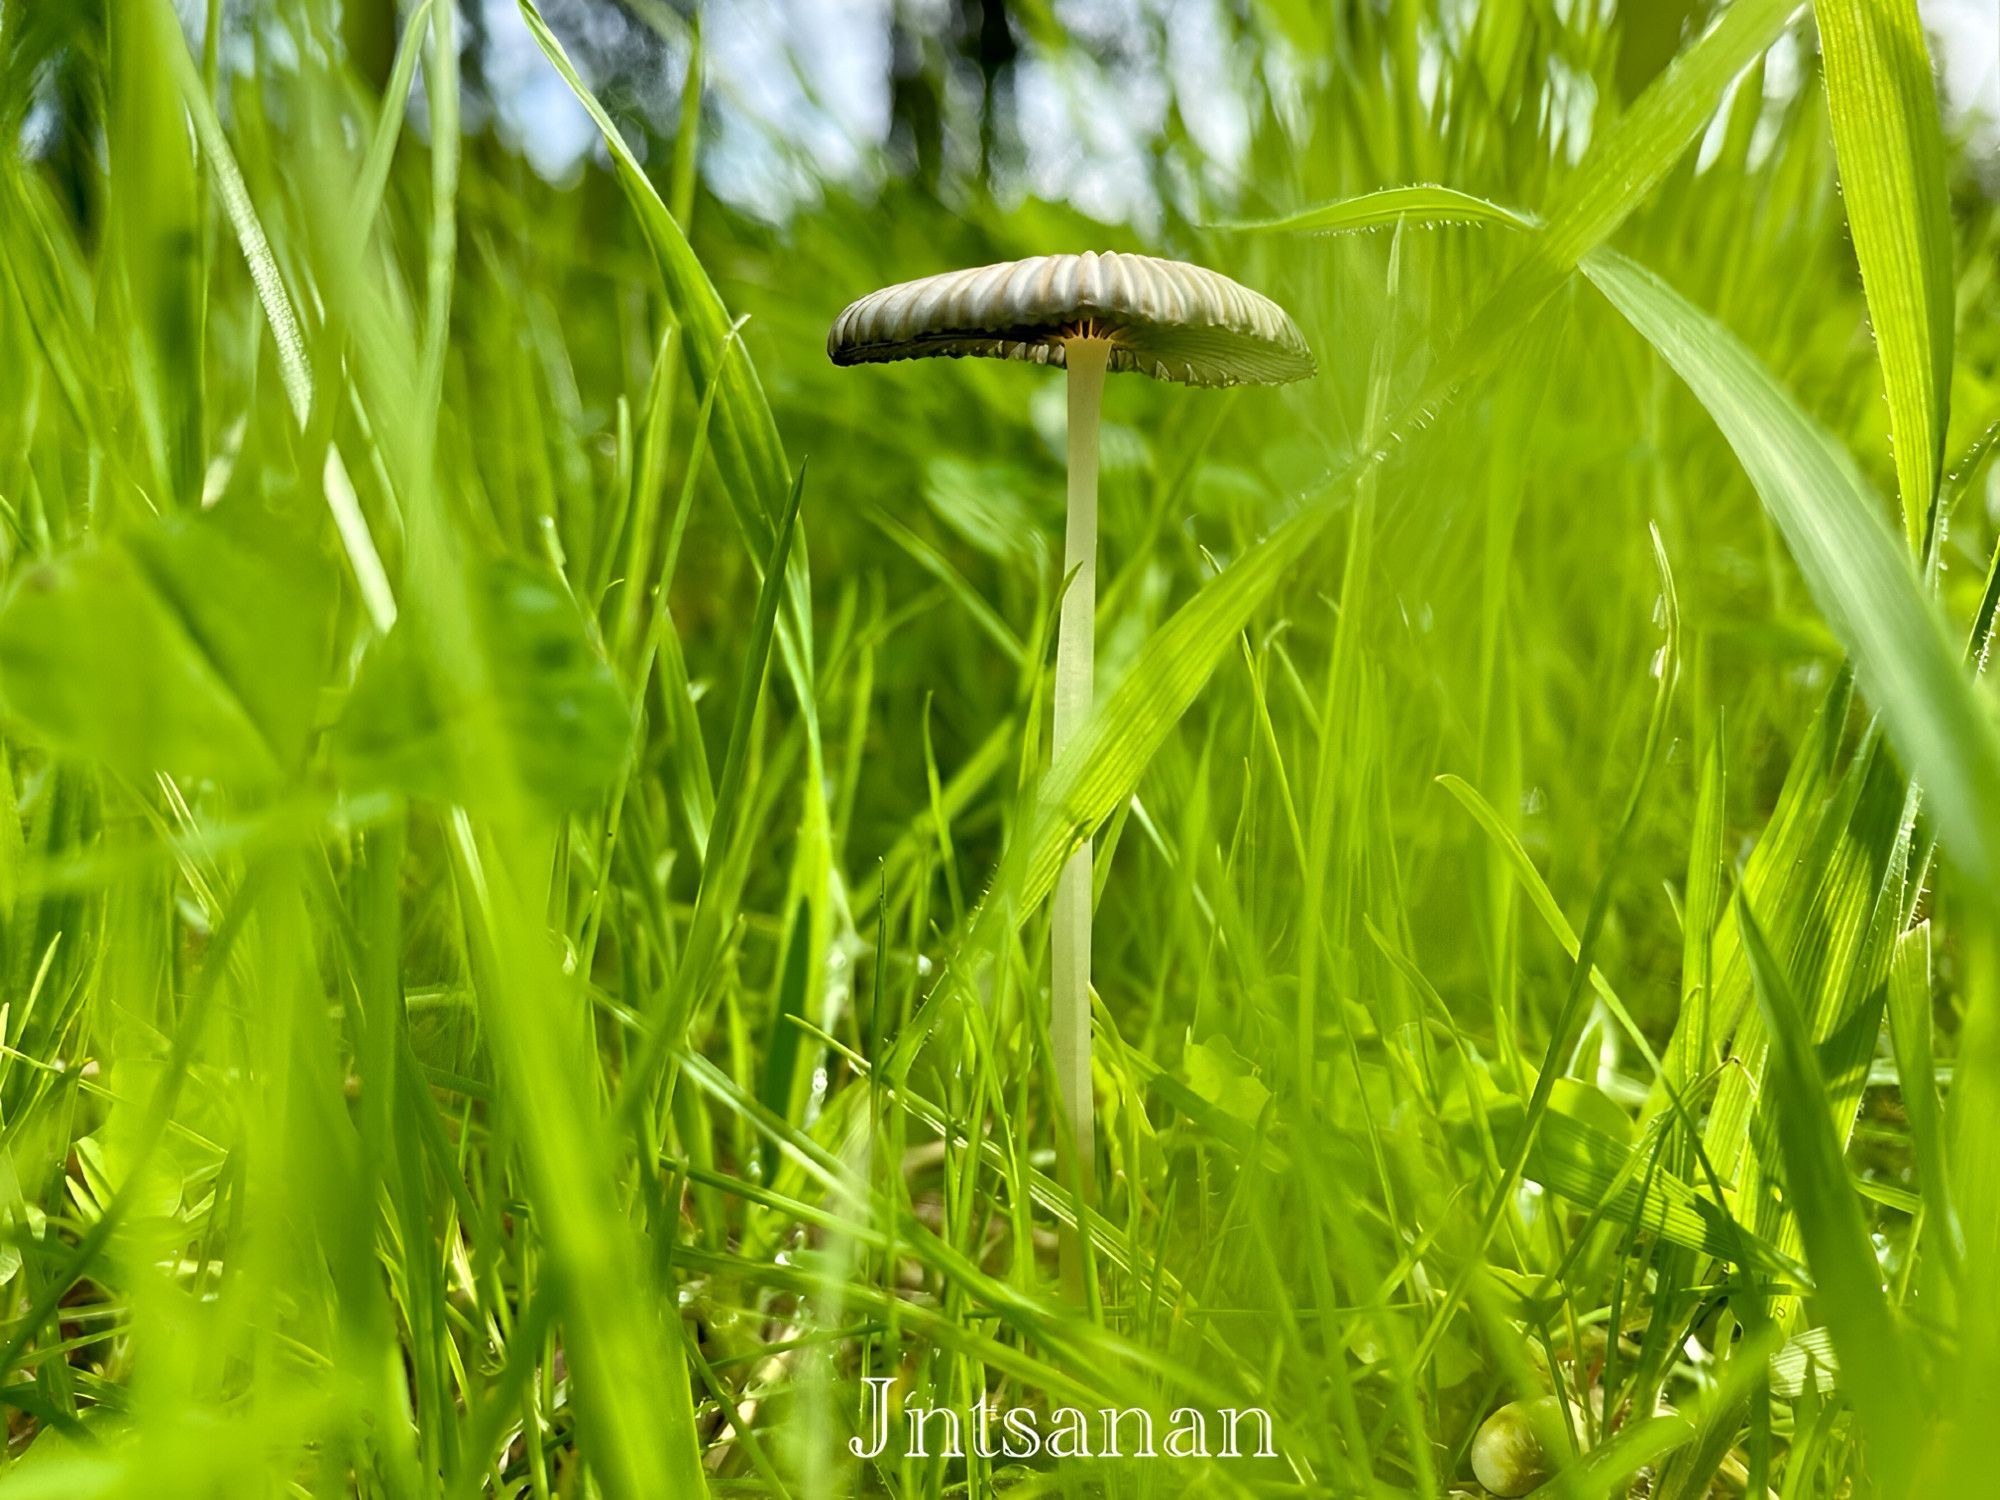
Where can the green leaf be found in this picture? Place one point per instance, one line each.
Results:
(1625, 164)
(1779, 877)
(1890, 146)
(1102, 766)
(1832, 922)
(781, 1061)
(723, 862)
(195, 647)
(164, 1183)
(1808, 1356)
(632, 1392)
(552, 699)
(169, 48)
(1862, 581)
(1589, 1105)
(1219, 1075)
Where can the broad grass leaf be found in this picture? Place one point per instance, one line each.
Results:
(1808, 1355)
(1833, 926)
(1890, 146)
(1880, 1377)
(195, 647)
(1600, 1173)
(1102, 766)
(1862, 581)
(1589, 1105)
(554, 702)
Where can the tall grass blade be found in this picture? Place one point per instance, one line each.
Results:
(1890, 140)
(369, 574)
(1878, 1372)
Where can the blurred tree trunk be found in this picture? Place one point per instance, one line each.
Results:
(916, 103)
(55, 53)
(371, 31)
(1649, 34)
(368, 32)
(996, 51)
(923, 62)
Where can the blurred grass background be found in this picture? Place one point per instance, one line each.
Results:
(520, 896)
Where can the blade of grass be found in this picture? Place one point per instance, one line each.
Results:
(707, 928)
(634, 1392)
(1880, 1377)
(1916, 1068)
(1890, 144)
(370, 577)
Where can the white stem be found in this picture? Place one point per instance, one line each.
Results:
(1069, 987)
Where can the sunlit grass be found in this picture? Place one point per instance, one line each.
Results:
(524, 902)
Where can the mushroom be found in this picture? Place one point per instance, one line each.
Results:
(1090, 314)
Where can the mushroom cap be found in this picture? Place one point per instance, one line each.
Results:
(1162, 318)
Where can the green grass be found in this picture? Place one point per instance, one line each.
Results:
(523, 902)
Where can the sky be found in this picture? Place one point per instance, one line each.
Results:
(1966, 34)
(814, 73)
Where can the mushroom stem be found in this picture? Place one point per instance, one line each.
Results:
(1069, 987)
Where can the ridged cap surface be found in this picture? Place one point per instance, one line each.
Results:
(1163, 318)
